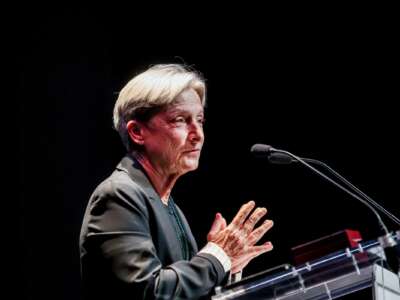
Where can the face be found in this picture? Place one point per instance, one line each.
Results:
(174, 137)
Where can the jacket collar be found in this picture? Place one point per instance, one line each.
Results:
(135, 171)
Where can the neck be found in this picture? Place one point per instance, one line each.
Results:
(162, 180)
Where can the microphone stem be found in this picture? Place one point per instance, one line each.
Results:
(366, 197)
(339, 186)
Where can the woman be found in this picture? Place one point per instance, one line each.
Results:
(135, 242)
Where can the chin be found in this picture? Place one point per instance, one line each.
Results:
(190, 166)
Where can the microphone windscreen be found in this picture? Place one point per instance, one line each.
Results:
(261, 150)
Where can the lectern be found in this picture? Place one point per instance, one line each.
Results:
(332, 276)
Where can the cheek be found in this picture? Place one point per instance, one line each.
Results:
(178, 139)
(174, 144)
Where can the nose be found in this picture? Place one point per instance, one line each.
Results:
(196, 133)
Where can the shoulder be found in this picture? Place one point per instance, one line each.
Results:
(119, 187)
(116, 183)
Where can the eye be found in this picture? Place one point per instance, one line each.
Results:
(201, 120)
(179, 119)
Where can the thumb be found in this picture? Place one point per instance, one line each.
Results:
(218, 224)
(223, 223)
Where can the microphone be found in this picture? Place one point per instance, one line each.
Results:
(261, 150)
(278, 156)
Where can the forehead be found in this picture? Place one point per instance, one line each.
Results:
(188, 100)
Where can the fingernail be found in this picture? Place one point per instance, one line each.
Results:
(269, 222)
(251, 202)
(218, 215)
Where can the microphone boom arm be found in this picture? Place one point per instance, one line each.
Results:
(349, 184)
(300, 160)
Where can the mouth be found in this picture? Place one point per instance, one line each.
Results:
(192, 151)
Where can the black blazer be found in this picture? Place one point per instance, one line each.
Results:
(130, 249)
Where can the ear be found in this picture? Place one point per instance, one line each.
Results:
(135, 131)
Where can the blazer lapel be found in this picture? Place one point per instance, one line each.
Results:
(135, 171)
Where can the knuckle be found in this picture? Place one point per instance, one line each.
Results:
(259, 231)
(253, 218)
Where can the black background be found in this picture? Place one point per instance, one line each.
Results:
(327, 92)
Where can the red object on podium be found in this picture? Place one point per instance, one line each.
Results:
(323, 246)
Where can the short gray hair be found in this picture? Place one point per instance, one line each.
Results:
(150, 91)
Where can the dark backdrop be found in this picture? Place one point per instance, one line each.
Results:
(328, 94)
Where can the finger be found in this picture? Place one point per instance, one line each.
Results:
(250, 254)
(253, 219)
(217, 225)
(258, 250)
(257, 234)
(241, 216)
(241, 262)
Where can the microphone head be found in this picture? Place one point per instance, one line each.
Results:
(261, 150)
